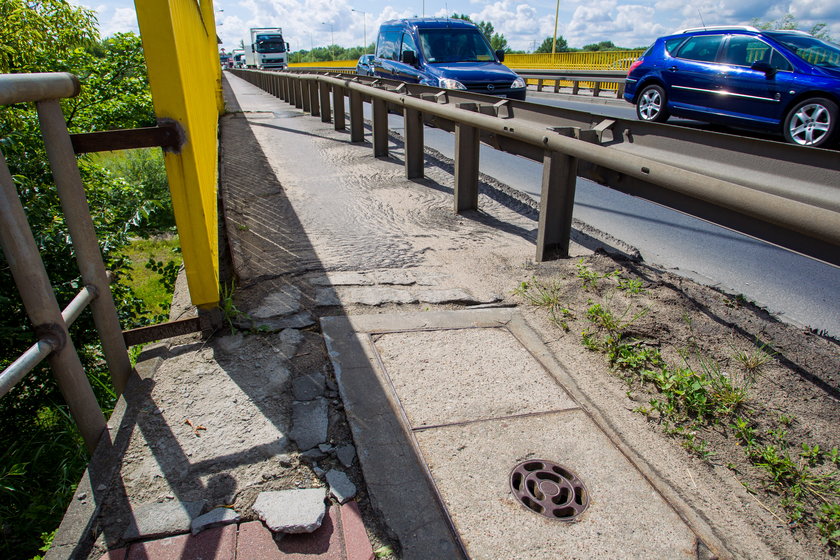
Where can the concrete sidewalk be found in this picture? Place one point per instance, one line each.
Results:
(354, 282)
(444, 399)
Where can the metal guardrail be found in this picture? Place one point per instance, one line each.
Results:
(783, 194)
(18, 244)
(577, 77)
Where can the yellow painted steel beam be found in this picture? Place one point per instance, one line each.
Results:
(180, 45)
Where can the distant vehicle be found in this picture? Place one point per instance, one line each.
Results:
(446, 53)
(267, 49)
(225, 60)
(363, 67)
(786, 82)
(238, 58)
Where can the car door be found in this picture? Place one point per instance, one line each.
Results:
(403, 71)
(387, 53)
(691, 78)
(755, 81)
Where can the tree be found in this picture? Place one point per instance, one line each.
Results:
(56, 36)
(545, 47)
(601, 46)
(497, 40)
(789, 21)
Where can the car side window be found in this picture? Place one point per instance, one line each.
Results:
(408, 44)
(701, 47)
(744, 50)
(671, 45)
(387, 46)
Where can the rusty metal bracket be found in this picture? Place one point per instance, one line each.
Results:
(167, 135)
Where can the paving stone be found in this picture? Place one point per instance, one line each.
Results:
(291, 511)
(299, 320)
(375, 295)
(356, 542)
(256, 542)
(325, 543)
(310, 420)
(280, 303)
(395, 277)
(446, 296)
(290, 340)
(326, 297)
(161, 518)
(117, 554)
(307, 387)
(341, 488)
(342, 279)
(346, 454)
(213, 544)
(214, 518)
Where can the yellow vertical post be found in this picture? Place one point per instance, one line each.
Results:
(179, 41)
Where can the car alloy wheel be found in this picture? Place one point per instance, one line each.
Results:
(651, 105)
(811, 122)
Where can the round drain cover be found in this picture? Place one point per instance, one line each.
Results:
(549, 489)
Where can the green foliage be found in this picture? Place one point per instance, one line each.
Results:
(548, 43)
(42, 454)
(497, 40)
(789, 21)
(546, 296)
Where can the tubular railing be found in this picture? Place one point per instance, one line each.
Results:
(18, 243)
(783, 194)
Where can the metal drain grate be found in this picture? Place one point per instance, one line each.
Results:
(549, 489)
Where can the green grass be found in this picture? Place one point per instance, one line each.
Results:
(149, 284)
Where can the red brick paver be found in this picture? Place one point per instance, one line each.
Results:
(341, 536)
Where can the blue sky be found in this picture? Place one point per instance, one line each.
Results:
(627, 23)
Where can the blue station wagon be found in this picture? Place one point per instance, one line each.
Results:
(781, 81)
(446, 53)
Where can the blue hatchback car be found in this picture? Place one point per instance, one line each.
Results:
(781, 81)
(446, 53)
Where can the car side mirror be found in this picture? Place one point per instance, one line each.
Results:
(500, 54)
(409, 57)
(761, 66)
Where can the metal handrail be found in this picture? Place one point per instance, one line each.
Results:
(27, 267)
(783, 194)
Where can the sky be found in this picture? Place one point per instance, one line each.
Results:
(348, 23)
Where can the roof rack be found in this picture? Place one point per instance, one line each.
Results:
(719, 28)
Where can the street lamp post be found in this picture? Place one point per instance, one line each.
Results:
(364, 25)
(554, 43)
(332, 40)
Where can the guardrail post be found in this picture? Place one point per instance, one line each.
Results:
(85, 243)
(575, 87)
(299, 91)
(380, 128)
(276, 81)
(557, 201)
(413, 143)
(556, 86)
(357, 128)
(338, 107)
(314, 106)
(539, 84)
(466, 168)
(38, 297)
(596, 90)
(324, 90)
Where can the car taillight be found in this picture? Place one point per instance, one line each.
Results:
(635, 65)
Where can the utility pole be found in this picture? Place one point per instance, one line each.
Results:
(556, 16)
(364, 26)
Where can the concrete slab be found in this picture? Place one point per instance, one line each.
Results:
(443, 405)
(471, 466)
(462, 375)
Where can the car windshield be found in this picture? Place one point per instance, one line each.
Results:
(810, 49)
(270, 44)
(455, 45)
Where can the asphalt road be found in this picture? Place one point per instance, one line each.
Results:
(797, 289)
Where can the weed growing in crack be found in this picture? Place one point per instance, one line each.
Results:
(754, 361)
(546, 295)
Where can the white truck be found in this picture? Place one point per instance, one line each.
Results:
(267, 49)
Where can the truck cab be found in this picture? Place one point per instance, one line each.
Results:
(267, 49)
(446, 53)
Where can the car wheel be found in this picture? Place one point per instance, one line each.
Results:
(650, 106)
(811, 122)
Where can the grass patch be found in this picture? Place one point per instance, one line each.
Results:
(154, 266)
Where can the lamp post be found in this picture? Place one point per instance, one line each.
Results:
(364, 25)
(332, 40)
(554, 43)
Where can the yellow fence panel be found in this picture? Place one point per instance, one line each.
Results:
(325, 64)
(179, 40)
(595, 60)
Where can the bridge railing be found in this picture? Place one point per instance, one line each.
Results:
(22, 254)
(783, 194)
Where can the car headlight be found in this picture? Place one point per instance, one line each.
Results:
(518, 83)
(449, 83)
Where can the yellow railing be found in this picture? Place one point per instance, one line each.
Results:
(179, 40)
(325, 63)
(596, 60)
